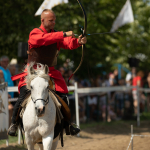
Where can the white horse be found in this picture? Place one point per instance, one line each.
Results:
(39, 117)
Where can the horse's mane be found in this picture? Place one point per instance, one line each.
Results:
(38, 72)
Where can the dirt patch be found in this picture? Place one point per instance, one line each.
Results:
(114, 136)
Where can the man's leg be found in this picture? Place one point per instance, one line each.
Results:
(13, 127)
(72, 130)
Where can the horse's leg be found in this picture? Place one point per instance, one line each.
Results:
(54, 145)
(30, 144)
(47, 141)
(40, 146)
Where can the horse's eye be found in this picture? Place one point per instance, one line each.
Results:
(31, 87)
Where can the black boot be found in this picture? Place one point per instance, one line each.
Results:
(74, 131)
(67, 125)
(12, 130)
(71, 130)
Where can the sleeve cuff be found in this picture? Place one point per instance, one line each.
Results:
(78, 43)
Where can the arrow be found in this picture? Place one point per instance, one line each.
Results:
(100, 33)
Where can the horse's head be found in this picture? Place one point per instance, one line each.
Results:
(38, 83)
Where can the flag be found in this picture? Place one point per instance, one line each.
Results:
(49, 4)
(125, 16)
(4, 115)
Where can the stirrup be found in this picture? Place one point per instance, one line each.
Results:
(12, 133)
(74, 130)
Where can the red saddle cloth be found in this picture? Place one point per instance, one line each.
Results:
(60, 84)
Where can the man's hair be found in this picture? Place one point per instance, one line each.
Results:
(47, 10)
(4, 57)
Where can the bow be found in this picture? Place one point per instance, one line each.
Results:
(83, 34)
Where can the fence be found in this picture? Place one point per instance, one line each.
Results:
(94, 90)
(4, 115)
(132, 136)
(100, 90)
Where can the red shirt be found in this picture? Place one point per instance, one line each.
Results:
(37, 38)
(135, 80)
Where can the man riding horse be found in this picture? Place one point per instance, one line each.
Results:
(44, 44)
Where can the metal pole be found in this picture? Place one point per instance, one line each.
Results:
(138, 107)
(77, 105)
(87, 110)
(119, 71)
(98, 114)
(131, 136)
(106, 107)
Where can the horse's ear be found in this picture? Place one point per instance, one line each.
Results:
(32, 71)
(46, 69)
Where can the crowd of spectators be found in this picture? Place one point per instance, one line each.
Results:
(120, 105)
(115, 104)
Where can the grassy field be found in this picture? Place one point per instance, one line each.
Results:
(11, 140)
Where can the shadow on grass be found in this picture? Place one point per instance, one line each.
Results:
(17, 147)
(116, 127)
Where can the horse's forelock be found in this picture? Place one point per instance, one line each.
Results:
(38, 72)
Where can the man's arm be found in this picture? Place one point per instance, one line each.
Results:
(71, 42)
(68, 43)
(38, 38)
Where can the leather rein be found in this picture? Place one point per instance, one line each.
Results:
(45, 101)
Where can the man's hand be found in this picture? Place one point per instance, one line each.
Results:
(82, 40)
(69, 33)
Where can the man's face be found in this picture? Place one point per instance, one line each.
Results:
(12, 70)
(4, 63)
(49, 21)
(62, 71)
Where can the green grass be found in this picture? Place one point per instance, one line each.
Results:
(11, 140)
(145, 116)
(112, 123)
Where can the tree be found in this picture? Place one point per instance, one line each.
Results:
(17, 20)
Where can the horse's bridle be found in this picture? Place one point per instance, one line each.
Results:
(45, 101)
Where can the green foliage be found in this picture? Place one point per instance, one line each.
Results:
(145, 116)
(17, 20)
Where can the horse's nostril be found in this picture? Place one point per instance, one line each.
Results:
(39, 110)
(35, 107)
(44, 109)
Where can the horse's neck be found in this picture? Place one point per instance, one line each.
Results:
(50, 106)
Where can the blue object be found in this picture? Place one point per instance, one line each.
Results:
(7, 77)
(119, 70)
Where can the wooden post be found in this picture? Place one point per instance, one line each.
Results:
(77, 105)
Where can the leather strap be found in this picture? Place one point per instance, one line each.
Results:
(41, 29)
(65, 107)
